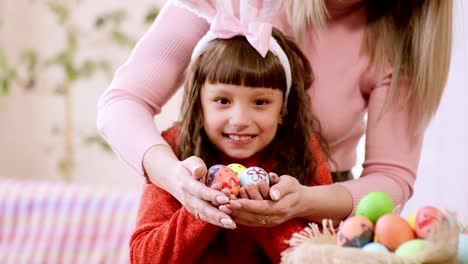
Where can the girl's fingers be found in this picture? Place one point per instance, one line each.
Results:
(253, 192)
(225, 209)
(274, 178)
(243, 193)
(264, 189)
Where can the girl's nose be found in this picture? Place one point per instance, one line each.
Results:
(240, 116)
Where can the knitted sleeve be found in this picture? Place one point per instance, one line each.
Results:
(167, 233)
(145, 82)
(393, 147)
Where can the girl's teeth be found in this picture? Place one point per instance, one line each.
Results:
(239, 138)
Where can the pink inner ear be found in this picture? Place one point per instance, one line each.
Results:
(259, 7)
(236, 8)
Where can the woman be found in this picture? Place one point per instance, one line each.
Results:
(389, 60)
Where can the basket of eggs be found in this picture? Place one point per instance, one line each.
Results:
(376, 234)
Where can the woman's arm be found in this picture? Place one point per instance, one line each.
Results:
(393, 147)
(167, 233)
(146, 81)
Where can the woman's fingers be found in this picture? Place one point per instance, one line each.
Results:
(196, 167)
(286, 184)
(212, 215)
(198, 199)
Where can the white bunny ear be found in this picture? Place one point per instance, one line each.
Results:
(259, 10)
(203, 8)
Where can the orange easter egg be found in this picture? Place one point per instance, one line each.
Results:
(393, 230)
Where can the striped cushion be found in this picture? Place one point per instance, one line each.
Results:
(53, 222)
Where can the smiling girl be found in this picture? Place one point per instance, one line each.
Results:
(241, 104)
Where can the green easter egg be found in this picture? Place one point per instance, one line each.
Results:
(374, 205)
(411, 248)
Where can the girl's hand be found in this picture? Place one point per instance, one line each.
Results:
(286, 204)
(259, 191)
(185, 180)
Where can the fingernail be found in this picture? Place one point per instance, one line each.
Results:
(222, 199)
(275, 194)
(227, 222)
(194, 170)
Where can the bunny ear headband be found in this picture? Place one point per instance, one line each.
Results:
(249, 18)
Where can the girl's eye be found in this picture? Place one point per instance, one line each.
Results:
(261, 102)
(222, 101)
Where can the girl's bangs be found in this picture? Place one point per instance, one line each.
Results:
(236, 62)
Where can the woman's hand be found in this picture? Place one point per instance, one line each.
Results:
(185, 180)
(286, 203)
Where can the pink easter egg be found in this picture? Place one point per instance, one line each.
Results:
(426, 218)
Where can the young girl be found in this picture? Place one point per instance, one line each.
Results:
(244, 102)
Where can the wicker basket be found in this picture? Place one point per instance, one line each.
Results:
(314, 246)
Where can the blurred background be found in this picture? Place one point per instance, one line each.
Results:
(58, 56)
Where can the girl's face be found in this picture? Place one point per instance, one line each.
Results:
(240, 121)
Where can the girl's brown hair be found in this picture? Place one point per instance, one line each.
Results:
(234, 61)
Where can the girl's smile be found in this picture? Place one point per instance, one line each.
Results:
(240, 139)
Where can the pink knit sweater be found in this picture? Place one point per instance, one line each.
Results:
(345, 88)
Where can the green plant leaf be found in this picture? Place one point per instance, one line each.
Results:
(60, 9)
(151, 15)
(98, 140)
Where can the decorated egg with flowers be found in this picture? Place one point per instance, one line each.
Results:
(253, 175)
(224, 176)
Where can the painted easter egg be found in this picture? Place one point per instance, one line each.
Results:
(355, 231)
(224, 176)
(374, 205)
(393, 230)
(426, 218)
(411, 248)
(253, 175)
(237, 168)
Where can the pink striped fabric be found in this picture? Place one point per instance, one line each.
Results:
(58, 223)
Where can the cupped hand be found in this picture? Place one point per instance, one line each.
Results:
(285, 204)
(199, 199)
(185, 180)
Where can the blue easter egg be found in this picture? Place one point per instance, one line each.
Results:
(253, 175)
(375, 247)
(463, 249)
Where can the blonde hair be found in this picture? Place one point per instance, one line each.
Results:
(415, 37)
